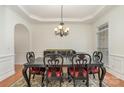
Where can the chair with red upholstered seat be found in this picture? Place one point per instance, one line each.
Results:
(53, 63)
(79, 69)
(97, 58)
(30, 56)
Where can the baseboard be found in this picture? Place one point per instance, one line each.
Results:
(7, 74)
(7, 67)
(116, 65)
(115, 73)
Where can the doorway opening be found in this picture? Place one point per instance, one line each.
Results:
(21, 41)
(102, 42)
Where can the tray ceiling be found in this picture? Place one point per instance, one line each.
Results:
(48, 13)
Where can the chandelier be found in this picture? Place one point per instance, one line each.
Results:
(61, 30)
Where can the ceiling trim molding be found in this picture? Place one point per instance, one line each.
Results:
(99, 10)
(59, 19)
(35, 18)
(24, 11)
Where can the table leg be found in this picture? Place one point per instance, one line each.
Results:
(42, 82)
(101, 75)
(24, 72)
(69, 76)
(87, 83)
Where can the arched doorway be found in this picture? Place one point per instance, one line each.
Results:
(21, 41)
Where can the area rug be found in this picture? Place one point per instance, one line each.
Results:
(36, 82)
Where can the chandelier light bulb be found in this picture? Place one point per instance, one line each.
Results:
(56, 29)
(60, 26)
(67, 29)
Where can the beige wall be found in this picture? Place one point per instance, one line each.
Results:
(80, 38)
(2, 30)
(115, 19)
(8, 20)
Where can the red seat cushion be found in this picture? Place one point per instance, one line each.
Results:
(49, 73)
(36, 70)
(71, 71)
(76, 72)
(84, 72)
(42, 69)
(94, 70)
(58, 73)
(52, 70)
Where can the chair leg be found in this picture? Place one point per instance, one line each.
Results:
(69, 77)
(33, 76)
(93, 76)
(74, 82)
(47, 82)
(87, 83)
(61, 80)
(29, 76)
(42, 84)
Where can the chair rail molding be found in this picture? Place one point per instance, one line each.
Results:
(7, 66)
(117, 55)
(8, 55)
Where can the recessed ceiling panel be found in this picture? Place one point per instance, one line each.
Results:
(54, 11)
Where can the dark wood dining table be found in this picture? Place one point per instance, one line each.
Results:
(67, 62)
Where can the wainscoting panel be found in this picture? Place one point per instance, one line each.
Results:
(116, 65)
(7, 66)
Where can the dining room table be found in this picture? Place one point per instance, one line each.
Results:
(67, 62)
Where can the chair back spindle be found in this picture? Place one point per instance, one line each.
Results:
(30, 56)
(97, 56)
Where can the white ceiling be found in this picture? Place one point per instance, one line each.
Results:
(48, 13)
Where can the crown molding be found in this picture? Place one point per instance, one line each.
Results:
(38, 19)
(59, 19)
(24, 11)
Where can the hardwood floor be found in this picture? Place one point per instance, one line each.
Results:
(113, 81)
(10, 80)
(109, 79)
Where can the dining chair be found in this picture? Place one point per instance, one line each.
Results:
(30, 56)
(53, 64)
(79, 69)
(96, 58)
(70, 55)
